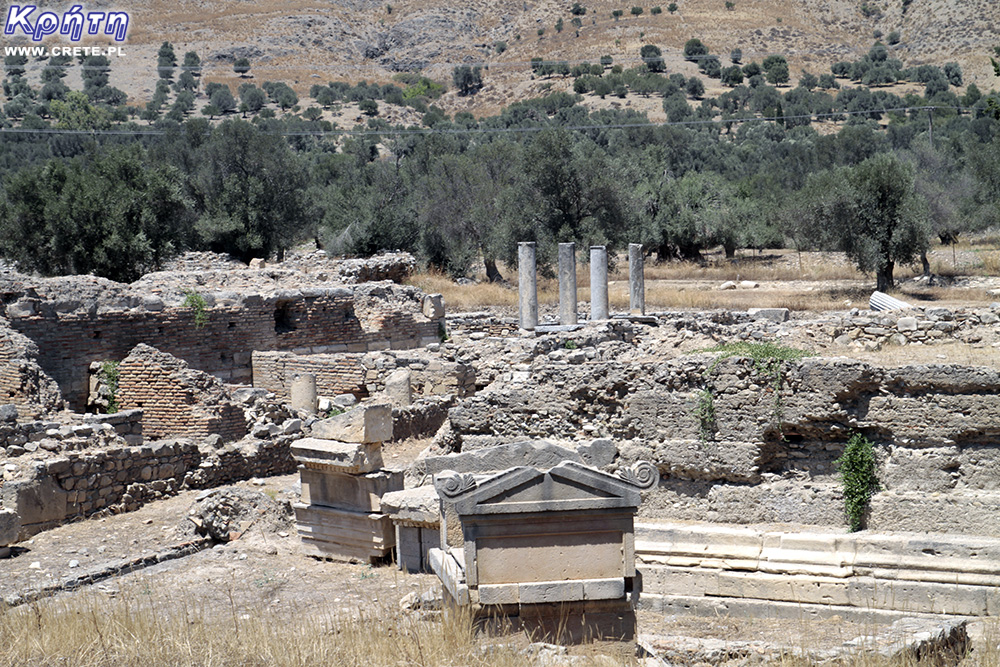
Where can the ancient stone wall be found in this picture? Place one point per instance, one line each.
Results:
(327, 319)
(176, 400)
(122, 478)
(26, 437)
(363, 374)
(736, 444)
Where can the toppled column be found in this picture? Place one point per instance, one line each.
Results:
(527, 286)
(343, 484)
(550, 552)
(636, 280)
(879, 301)
(598, 282)
(567, 283)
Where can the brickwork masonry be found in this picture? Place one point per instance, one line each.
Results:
(69, 336)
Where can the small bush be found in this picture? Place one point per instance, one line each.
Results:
(857, 467)
(109, 374)
(196, 302)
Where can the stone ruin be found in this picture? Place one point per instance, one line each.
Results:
(549, 552)
(603, 393)
(340, 468)
(189, 415)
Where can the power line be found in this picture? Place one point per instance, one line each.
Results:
(641, 123)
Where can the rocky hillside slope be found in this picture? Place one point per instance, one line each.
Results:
(311, 41)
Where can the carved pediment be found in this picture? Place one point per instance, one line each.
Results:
(568, 486)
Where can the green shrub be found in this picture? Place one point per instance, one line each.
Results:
(109, 374)
(857, 467)
(196, 302)
(705, 412)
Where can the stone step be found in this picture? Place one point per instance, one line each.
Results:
(953, 559)
(686, 605)
(906, 572)
(859, 592)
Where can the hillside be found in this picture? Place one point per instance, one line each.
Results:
(304, 42)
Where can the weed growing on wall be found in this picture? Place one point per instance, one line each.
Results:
(768, 361)
(196, 302)
(109, 374)
(857, 468)
(705, 412)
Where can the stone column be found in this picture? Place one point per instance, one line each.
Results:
(598, 282)
(527, 287)
(303, 392)
(636, 280)
(567, 283)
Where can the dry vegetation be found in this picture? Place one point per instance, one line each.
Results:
(130, 629)
(809, 281)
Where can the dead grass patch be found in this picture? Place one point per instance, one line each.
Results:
(92, 630)
(942, 353)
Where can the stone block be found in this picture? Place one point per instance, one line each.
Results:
(604, 589)
(8, 412)
(549, 591)
(771, 314)
(10, 527)
(366, 424)
(499, 594)
(328, 532)
(361, 493)
(906, 324)
(40, 503)
(331, 454)
(398, 387)
(433, 306)
(418, 505)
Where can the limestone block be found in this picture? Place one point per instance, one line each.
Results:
(604, 589)
(40, 503)
(553, 557)
(362, 493)
(258, 263)
(366, 423)
(550, 591)
(771, 314)
(906, 324)
(10, 527)
(398, 387)
(413, 545)
(346, 456)
(433, 306)
(419, 505)
(499, 594)
(8, 412)
(340, 534)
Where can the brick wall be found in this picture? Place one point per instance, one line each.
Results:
(335, 373)
(176, 400)
(362, 374)
(316, 320)
(22, 380)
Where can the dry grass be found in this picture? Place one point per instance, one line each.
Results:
(130, 630)
(816, 281)
(944, 353)
(93, 630)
